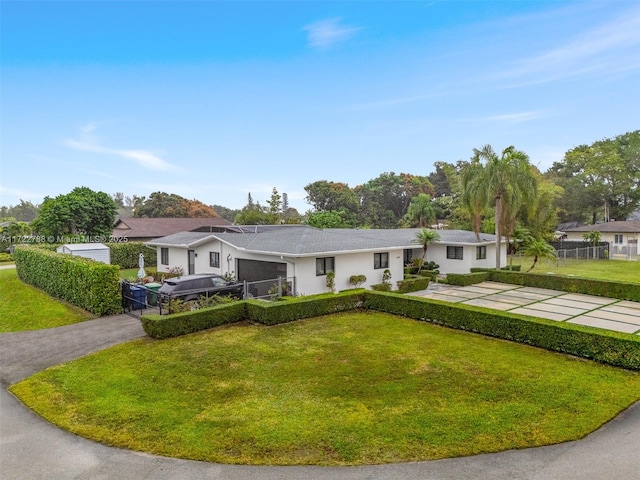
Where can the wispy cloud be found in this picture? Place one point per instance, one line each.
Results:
(324, 34)
(19, 193)
(520, 117)
(145, 158)
(607, 48)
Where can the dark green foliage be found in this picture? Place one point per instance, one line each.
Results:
(465, 279)
(604, 346)
(125, 254)
(381, 287)
(82, 211)
(303, 307)
(83, 282)
(167, 326)
(587, 286)
(413, 284)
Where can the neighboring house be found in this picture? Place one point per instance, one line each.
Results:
(145, 229)
(308, 254)
(622, 236)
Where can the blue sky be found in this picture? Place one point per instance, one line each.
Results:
(214, 100)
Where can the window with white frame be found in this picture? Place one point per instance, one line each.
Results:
(164, 256)
(481, 252)
(381, 260)
(324, 265)
(454, 253)
(618, 239)
(214, 259)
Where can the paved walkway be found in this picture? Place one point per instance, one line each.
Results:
(600, 312)
(33, 449)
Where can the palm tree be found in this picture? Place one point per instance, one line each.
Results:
(505, 181)
(425, 237)
(420, 212)
(539, 249)
(594, 238)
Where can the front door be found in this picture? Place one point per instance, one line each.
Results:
(192, 261)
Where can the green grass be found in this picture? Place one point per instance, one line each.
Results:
(614, 270)
(346, 389)
(23, 307)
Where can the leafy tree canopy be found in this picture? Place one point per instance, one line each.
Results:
(601, 181)
(170, 205)
(82, 211)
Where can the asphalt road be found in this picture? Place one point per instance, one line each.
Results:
(33, 449)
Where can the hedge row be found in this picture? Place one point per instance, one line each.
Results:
(413, 284)
(126, 254)
(466, 279)
(619, 349)
(267, 313)
(564, 283)
(167, 326)
(91, 285)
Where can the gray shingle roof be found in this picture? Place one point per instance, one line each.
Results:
(310, 241)
(610, 227)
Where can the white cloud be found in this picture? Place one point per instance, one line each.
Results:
(144, 158)
(324, 34)
(519, 117)
(602, 49)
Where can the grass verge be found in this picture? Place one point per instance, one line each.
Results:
(23, 307)
(613, 270)
(345, 389)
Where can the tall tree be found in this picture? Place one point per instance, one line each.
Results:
(324, 195)
(82, 211)
(421, 212)
(23, 212)
(385, 200)
(507, 181)
(601, 181)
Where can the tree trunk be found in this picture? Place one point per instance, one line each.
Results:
(498, 237)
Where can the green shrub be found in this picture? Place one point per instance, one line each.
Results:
(167, 326)
(466, 279)
(619, 349)
(91, 285)
(565, 283)
(357, 280)
(381, 287)
(6, 257)
(125, 254)
(413, 284)
(273, 313)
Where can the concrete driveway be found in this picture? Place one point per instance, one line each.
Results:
(593, 311)
(33, 449)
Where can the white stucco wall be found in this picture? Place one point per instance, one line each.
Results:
(438, 253)
(346, 265)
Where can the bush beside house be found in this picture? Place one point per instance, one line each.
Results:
(91, 285)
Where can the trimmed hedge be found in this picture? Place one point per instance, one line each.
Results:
(91, 285)
(619, 349)
(273, 313)
(267, 313)
(466, 279)
(614, 348)
(413, 284)
(167, 326)
(565, 283)
(125, 254)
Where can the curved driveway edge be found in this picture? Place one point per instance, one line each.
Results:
(33, 449)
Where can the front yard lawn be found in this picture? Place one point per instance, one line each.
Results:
(23, 307)
(346, 389)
